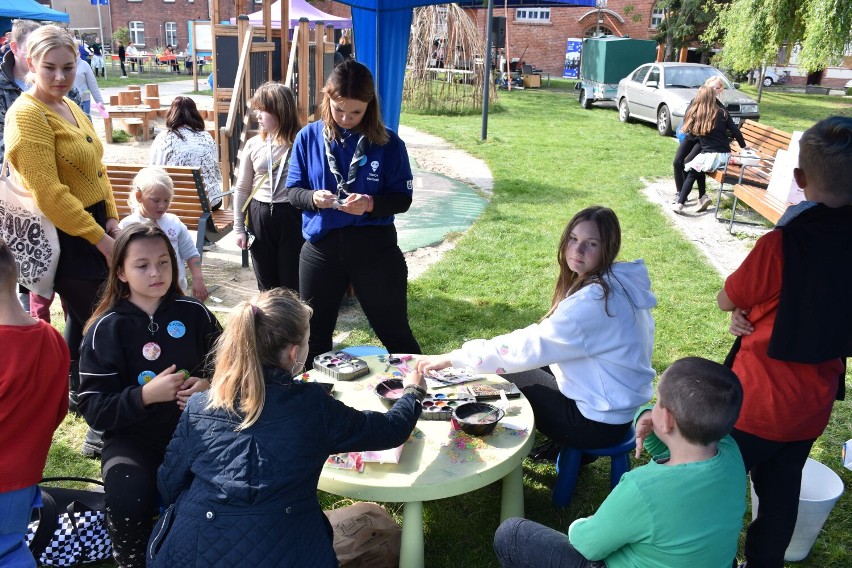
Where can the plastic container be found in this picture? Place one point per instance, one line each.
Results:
(821, 488)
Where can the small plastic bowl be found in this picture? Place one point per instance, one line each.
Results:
(468, 417)
(390, 391)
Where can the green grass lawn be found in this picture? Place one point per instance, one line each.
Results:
(549, 159)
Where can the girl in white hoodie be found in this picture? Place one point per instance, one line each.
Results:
(596, 340)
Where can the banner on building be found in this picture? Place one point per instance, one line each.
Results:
(573, 47)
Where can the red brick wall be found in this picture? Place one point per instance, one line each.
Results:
(543, 44)
(154, 14)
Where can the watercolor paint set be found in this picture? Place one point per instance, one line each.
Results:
(341, 366)
(440, 406)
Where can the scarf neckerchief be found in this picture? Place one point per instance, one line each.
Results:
(343, 186)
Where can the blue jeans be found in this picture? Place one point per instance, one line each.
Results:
(520, 543)
(15, 509)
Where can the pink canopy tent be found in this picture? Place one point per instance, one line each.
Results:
(299, 9)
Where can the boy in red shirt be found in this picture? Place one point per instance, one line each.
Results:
(33, 402)
(792, 314)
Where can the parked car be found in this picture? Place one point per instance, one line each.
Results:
(660, 92)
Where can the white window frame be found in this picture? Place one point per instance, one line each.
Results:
(136, 29)
(658, 15)
(532, 15)
(590, 31)
(174, 32)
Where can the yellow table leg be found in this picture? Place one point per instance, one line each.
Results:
(411, 554)
(512, 498)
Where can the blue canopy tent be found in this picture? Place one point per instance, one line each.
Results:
(382, 28)
(27, 10)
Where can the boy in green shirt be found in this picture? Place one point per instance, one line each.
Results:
(684, 508)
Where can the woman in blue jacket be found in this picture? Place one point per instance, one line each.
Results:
(350, 175)
(241, 472)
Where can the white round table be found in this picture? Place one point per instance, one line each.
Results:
(436, 462)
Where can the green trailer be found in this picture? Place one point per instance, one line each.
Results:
(605, 61)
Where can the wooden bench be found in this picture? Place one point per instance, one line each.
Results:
(763, 203)
(749, 182)
(190, 202)
(766, 141)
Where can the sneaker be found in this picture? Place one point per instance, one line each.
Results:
(93, 444)
(124, 76)
(677, 208)
(704, 203)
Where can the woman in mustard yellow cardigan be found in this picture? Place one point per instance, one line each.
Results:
(57, 156)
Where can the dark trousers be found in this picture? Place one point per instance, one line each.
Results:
(79, 298)
(520, 543)
(278, 241)
(776, 472)
(129, 472)
(686, 151)
(123, 70)
(557, 416)
(369, 259)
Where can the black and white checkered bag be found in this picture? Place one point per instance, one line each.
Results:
(70, 528)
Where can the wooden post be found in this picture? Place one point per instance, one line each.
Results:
(319, 58)
(153, 102)
(152, 90)
(285, 37)
(304, 69)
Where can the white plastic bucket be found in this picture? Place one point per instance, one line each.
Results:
(821, 488)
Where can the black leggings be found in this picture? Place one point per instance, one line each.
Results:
(686, 151)
(278, 241)
(369, 259)
(132, 502)
(557, 416)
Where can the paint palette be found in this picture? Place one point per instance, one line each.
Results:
(440, 406)
(341, 366)
(487, 391)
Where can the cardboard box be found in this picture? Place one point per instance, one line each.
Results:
(532, 81)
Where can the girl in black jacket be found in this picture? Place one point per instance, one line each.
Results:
(707, 119)
(143, 355)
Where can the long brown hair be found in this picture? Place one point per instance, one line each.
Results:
(610, 244)
(115, 289)
(278, 100)
(184, 112)
(352, 80)
(701, 116)
(258, 333)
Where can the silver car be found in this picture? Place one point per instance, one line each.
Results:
(660, 92)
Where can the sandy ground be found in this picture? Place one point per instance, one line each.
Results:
(229, 283)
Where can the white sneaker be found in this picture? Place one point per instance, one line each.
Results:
(704, 203)
(677, 208)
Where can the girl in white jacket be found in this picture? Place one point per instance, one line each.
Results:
(596, 340)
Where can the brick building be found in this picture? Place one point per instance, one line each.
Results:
(538, 35)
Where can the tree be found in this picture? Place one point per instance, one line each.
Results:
(754, 31)
(122, 35)
(683, 23)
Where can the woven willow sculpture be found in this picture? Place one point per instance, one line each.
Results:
(456, 86)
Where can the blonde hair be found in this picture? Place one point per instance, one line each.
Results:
(146, 180)
(44, 40)
(257, 335)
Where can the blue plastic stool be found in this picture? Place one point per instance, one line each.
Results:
(568, 466)
(365, 350)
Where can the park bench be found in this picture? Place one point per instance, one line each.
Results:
(190, 203)
(750, 182)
